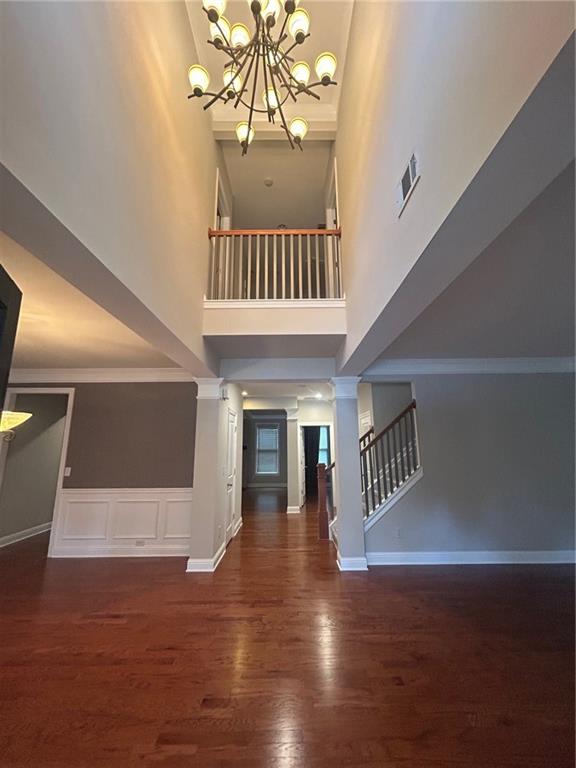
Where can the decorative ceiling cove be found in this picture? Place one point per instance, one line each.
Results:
(329, 31)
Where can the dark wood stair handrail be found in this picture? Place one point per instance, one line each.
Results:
(388, 427)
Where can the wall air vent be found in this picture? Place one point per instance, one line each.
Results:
(407, 183)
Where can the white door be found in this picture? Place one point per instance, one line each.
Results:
(230, 474)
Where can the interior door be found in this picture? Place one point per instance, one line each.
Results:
(231, 472)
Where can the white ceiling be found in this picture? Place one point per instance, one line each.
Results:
(60, 327)
(516, 299)
(300, 390)
(296, 197)
(329, 31)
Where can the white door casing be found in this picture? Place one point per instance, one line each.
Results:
(232, 429)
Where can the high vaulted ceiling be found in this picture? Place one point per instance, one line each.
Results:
(60, 327)
(329, 31)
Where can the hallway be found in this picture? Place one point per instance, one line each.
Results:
(279, 661)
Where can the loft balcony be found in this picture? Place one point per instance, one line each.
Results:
(282, 284)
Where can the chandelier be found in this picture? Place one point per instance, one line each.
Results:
(260, 65)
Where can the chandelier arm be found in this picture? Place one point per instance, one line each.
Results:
(255, 85)
(250, 55)
(286, 84)
(282, 36)
(288, 50)
(282, 114)
(219, 94)
(264, 70)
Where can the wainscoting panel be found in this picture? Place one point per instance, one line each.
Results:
(122, 522)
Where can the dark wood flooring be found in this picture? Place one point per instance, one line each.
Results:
(279, 661)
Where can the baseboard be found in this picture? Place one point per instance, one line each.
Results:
(352, 563)
(114, 550)
(237, 526)
(205, 565)
(512, 557)
(12, 538)
(293, 510)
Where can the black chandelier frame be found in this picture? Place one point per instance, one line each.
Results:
(262, 49)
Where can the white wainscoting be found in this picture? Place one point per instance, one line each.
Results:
(122, 522)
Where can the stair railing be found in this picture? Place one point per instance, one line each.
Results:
(256, 264)
(389, 459)
(366, 437)
(326, 509)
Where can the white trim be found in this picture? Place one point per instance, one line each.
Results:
(12, 538)
(408, 195)
(209, 389)
(352, 563)
(274, 303)
(379, 513)
(293, 510)
(237, 526)
(205, 565)
(96, 375)
(122, 522)
(345, 387)
(472, 365)
(492, 557)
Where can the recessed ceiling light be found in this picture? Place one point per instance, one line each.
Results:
(318, 395)
(268, 182)
(244, 393)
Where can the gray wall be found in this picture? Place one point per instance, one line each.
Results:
(498, 460)
(132, 435)
(388, 400)
(251, 420)
(32, 461)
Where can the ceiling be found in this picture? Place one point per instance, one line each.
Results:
(60, 327)
(300, 390)
(516, 299)
(329, 31)
(296, 197)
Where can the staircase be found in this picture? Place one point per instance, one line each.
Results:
(389, 467)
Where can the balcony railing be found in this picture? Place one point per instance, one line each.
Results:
(250, 264)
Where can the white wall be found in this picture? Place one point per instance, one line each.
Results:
(96, 124)
(446, 81)
(498, 459)
(388, 401)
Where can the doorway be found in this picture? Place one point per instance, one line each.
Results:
(316, 449)
(32, 462)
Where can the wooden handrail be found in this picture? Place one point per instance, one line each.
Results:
(388, 427)
(231, 232)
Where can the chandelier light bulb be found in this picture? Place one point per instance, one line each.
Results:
(199, 79)
(220, 31)
(244, 135)
(325, 67)
(271, 100)
(271, 11)
(298, 128)
(232, 80)
(239, 36)
(214, 8)
(299, 25)
(301, 72)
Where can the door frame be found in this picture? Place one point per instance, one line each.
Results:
(11, 393)
(301, 471)
(231, 450)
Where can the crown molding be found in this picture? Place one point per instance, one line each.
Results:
(345, 387)
(209, 389)
(489, 365)
(96, 375)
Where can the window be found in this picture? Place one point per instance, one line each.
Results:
(324, 447)
(267, 450)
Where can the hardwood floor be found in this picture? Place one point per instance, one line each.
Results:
(279, 661)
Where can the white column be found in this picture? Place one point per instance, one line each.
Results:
(351, 546)
(293, 461)
(207, 537)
